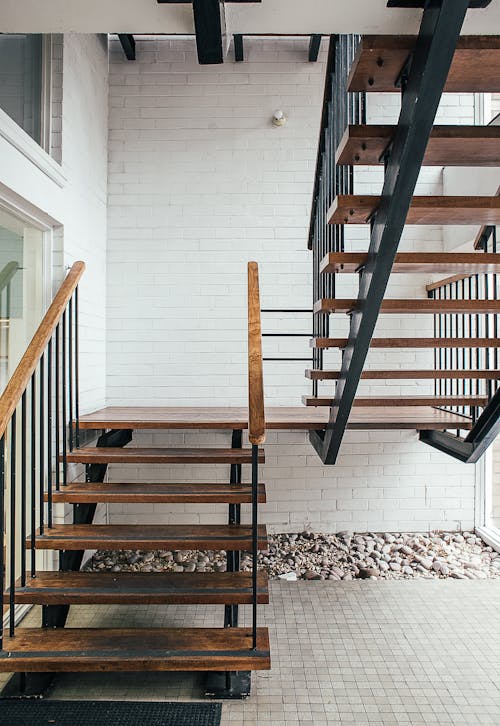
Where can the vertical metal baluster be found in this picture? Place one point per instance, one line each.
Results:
(24, 477)
(489, 384)
(13, 530)
(77, 373)
(49, 435)
(33, 474)
(464, 357)
(255, 479)
(41, 434)
(2, 527)
(64, 410)
(432, 295)
(57, 403)
(70, 373)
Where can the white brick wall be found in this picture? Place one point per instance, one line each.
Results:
(199, 183)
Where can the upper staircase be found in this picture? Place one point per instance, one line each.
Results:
(464, 306)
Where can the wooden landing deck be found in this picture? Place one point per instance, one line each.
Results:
(278, 418)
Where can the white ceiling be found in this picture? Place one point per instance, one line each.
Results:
(269, 16)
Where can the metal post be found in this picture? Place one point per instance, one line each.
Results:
(255, 486)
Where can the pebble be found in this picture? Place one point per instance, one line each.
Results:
(335, 557)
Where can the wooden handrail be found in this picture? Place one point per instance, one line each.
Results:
(256, 416)
(28, 363)
(447, 281)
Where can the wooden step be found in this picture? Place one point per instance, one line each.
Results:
(148, 537)
(417, 306)
(440, 263)
(411, 342)
(448, 145)
(376, 401)
(139, 455)
(319, 375)
(152, 588)
(380, 58)
(125, 492)
(359, 209)
(134, 649)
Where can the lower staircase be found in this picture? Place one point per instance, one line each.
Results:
(38, 452)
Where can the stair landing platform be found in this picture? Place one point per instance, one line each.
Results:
(278, 418)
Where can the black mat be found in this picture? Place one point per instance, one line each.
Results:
(108, 713)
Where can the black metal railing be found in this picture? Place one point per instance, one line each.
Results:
(340, 108)
(36, 415)
(480, 364)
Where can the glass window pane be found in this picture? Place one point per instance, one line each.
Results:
(21, 290)
(21, 80)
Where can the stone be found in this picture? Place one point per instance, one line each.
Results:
(366, 572)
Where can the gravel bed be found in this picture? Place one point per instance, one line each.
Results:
(341, 556)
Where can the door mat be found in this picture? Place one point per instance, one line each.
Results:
(108, 713)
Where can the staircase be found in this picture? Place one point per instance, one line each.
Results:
(41, 446)
(465, 305)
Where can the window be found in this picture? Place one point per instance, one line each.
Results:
(21, 289)
(21, 87)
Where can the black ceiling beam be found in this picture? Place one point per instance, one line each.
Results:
(314, 44)
(128, 45)
(185, 2)
(208, 28)
(422, 3)
(238, 48)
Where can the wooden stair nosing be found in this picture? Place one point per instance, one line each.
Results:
(140, 455)
(411, 342)
(330, 375)
(425, 210)
(475, 67)
(415, 262)
(417, 306)
(450, 145)
(377, 401)
(153, 588)
(134, 649)
(148, 537)
(124, 492)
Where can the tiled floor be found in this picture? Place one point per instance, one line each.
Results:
(361, 652)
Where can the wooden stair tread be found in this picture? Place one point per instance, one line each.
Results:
(415, 305)
(85, 492)
(329, 375)
(438, 210)
(475, 67)
(73, 588)
(411, 342)
(138, 455)
(448, 145)
(148, 537)
(427, 262)
(280, 418)
(134, 649)
(368, 418)
(377, 401)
